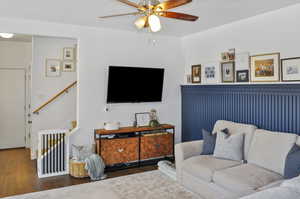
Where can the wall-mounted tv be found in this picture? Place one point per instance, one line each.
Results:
(134, 84)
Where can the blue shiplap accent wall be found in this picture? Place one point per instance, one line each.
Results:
(273, 107)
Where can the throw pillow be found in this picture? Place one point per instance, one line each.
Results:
(292, 163)
(209, 142)
(229, 147)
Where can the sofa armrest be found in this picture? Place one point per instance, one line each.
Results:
(184, 151)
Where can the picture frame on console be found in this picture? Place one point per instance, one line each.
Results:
(196, 73)
(228, 72)
(265, 67)
(242, 76)
(290, 69)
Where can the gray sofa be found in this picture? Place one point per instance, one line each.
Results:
(264, 151)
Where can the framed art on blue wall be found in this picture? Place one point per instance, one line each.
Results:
(196, 73)
(242, 76)
(228, 74)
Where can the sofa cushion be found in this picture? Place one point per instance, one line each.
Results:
(269, 149)
(245, 178)
(204, 166)
(230, 147)
(209, 142)
(292, 163)
(234, 128)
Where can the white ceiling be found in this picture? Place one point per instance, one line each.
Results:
(212, 13)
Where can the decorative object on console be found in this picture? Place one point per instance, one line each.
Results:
(112, 125)
(153, 118)
(265, 67)
(189, 78)
(53, 67)
(196, 73)
(242, 76)
(290, 69)
(68, 66)
(211, 73)
(69, 53)
(141, 119)
(228, 73)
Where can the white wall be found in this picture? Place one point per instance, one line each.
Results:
(99, 48)
(276, 31)
(60, 113)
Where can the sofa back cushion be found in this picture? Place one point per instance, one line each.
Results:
(234, 128)
(269, 149)
(298, 140)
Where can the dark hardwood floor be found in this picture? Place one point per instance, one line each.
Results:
(18, 174)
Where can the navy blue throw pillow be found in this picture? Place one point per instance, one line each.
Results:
(209, 142)
(292, 163)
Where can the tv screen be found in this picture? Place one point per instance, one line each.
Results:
(133, 84)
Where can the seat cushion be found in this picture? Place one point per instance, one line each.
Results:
(234, 128)
(245, 178)
(204, 166)
(269, 149)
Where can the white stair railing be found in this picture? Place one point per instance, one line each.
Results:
(53, 153)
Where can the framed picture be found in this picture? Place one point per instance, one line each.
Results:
(242, 76)
(53, 67)
(196, 74)
(265, 67)
(228, 56)
(228, 72)
(211, 73)
(290, 69)
(69, 53)
(242, 61)
(68, 66)
(142, 119)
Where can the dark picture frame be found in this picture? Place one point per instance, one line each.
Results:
(242, 76)
(292, 72)
(228, 72)
(196, 73)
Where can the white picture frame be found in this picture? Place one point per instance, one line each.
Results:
(69, 66)
(53, 68)
(290, 69)
(142, 119)
(69, 53)
(211, 73)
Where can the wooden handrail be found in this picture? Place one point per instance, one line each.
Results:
(53, 98)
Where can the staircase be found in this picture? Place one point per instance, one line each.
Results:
(53, 145)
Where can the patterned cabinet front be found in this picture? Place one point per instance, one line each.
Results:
(156, 145)
(114, 151)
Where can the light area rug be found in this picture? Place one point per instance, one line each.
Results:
(147, 185)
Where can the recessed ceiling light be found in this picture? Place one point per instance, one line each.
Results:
(6, 35)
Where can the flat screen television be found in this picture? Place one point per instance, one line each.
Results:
(134, 84)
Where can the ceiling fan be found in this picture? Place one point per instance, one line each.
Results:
(149, 12)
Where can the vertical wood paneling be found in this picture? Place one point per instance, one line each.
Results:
(271, 107)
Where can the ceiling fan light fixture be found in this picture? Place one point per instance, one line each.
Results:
(154, 23)
(140, 22)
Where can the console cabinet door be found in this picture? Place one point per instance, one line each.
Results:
(114, 151)
(156, 145)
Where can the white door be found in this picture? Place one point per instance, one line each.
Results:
(12, 108)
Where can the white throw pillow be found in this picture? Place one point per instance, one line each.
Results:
(229, 147)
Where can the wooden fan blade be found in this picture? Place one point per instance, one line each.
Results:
(177, 15)
(172, 4)
(129, 3)
(119, 15)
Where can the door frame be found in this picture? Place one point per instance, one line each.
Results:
(27, 83)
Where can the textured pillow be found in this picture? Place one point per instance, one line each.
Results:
(292, 163)
(229, 147)
(209, 142)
